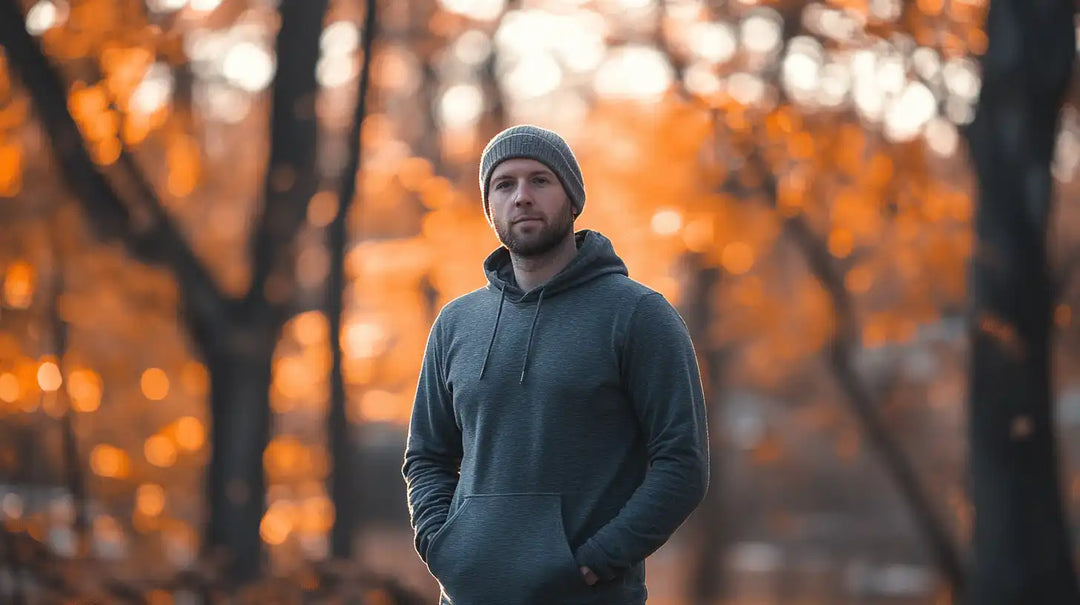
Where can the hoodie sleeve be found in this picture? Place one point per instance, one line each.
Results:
(660, 373)
(433, 450)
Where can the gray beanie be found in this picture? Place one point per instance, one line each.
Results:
(544, 146)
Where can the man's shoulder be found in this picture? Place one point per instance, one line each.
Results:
(627, 289)
(460, 308)
(642, 304)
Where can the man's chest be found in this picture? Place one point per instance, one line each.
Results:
(549, 365)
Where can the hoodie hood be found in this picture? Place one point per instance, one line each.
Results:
(595, 258)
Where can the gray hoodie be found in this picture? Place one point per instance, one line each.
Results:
(552, 429)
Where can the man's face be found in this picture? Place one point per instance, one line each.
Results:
(530, 209)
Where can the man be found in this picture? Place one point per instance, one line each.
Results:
(558, 435)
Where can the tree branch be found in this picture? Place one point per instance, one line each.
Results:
(663, 44)
(842, 351)
(145, 227)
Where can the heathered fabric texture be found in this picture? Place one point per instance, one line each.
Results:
(592, 459)
(544, 146)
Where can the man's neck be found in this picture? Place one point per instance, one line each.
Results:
(535, 271)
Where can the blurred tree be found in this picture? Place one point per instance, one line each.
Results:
(763, 162)
(341, 482)
(234, 336)
(842, 351)
(73, 463)
(1021, 547)
(700, 283)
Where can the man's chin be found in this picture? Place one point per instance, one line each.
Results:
(531, 246)
(530, 242)
(527, 251)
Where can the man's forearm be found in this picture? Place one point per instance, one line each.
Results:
(666, 497)
(431, 488)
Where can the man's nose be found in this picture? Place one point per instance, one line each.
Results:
(523, 195)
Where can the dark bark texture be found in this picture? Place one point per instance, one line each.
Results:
(1020, 546)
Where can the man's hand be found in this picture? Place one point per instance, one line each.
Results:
(590, 577)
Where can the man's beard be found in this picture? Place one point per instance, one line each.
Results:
(537, 244)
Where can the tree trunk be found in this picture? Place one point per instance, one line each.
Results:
(72, 463)
(235, 483)
(342, 485)
(706, 584)
(239, 355)
(1021, 550)
(342, 491)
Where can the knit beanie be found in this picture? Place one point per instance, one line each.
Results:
(544, 146)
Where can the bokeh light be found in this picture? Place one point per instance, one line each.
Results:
(159, 451)
(150, 499)
(19, 282)
(84, 387)
(154, 384)
(10, 390)
(190, 433)
(49, 377)
(109, 461)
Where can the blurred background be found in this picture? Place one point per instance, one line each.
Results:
(226, 227)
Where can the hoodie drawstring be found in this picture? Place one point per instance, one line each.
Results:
(532, 328)
(494, 329)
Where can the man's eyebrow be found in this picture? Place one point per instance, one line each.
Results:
(542, 171)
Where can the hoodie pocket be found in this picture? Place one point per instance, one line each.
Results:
(507, 549)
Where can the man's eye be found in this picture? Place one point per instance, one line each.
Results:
(541, 180)
(502, 185)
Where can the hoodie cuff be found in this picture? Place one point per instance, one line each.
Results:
(592, 556)
(423, 539)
